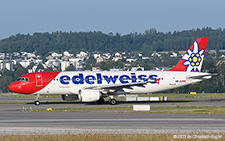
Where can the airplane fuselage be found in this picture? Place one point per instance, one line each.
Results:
(71, 82)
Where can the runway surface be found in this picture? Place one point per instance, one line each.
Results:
(14, 121)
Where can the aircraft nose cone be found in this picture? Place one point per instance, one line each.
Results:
(15, 87)
(19, 87)
(11, 87)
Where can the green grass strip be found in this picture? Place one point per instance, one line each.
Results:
(169, 109)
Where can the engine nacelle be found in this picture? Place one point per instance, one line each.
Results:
(89, 95)
(70, 97)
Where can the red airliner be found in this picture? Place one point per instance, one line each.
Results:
(95, 86)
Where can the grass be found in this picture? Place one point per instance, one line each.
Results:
(15, 102)
(96, 109)
(192, 110)
(32, 102)
(188, 96)
(115, 137)
(29, 95)
(169, 109)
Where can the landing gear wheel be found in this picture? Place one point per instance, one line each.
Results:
(112, 101)
(37, 103)
(100, 101)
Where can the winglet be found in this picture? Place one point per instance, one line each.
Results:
(193, 58)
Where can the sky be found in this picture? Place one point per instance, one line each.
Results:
(116, 16)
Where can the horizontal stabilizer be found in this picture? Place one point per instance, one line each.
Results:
(207, 76)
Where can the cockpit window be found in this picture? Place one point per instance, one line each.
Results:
(23, 79)
(18, 79)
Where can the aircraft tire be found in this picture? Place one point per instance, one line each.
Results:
(112, 101)
(37, 103)
(100, 101)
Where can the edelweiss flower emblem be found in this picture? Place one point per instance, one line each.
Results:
(193, 59)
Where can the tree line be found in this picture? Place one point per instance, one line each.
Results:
(147, 42)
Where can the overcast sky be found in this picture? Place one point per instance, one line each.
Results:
(122, 16)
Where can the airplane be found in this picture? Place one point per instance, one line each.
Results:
(91, 86)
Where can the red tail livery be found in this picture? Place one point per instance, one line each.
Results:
(193, 58)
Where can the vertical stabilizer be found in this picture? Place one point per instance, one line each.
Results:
(192, 60)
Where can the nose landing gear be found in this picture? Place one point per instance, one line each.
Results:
(37, 102)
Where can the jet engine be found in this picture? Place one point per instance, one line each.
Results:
(89, 95)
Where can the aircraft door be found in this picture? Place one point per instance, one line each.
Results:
(39, 81)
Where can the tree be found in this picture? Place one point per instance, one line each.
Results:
(48, 69)
(107, 65)
(19, 72)
(31, 65)
(87, 67)
(6, 79)
(70, 68)
(151, 40)
(39, 67)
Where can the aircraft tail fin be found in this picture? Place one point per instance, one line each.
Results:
(192, 60)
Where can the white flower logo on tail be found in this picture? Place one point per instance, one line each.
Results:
(193, 59)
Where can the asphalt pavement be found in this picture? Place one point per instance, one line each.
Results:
(15, 121)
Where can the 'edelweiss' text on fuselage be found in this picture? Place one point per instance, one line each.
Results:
(91, 79)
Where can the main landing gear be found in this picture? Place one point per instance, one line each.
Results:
(100, 101)
(111, 101)
(37, 102)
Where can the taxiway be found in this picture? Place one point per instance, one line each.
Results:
(14, 121)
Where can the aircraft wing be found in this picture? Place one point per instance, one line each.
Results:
(118, 86)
